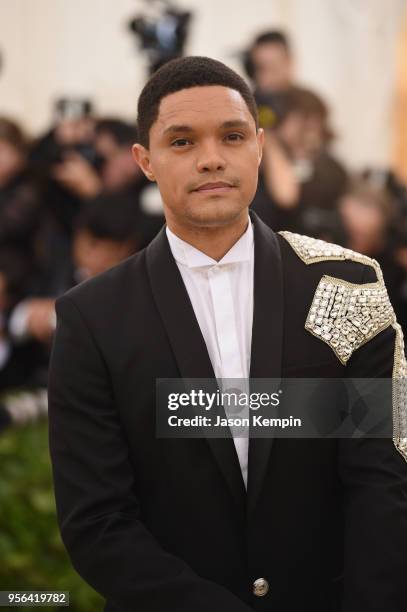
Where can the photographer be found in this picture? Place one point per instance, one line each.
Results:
(64, 157)
(269, 62)
(373, 226)
(20, 207)
(124, 183)
(301, 180)
(105, 233)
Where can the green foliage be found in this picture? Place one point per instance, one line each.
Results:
(32, 556)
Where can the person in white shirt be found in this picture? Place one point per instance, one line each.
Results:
(223, 524)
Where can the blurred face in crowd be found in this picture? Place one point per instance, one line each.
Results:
(11, 162)
(70, 132)
(272, 67)
(363, 217)
(93, 255)
(302, 134)
(118, 167)
(204, 153)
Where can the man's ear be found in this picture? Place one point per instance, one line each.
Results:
(142, 158)
(260, 142)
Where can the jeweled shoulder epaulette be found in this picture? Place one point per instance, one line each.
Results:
(399, 389)
(312, 250)
(344, 315)
(347, 315)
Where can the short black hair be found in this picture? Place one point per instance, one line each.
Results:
(122, 132)
(184, 73)
(277, 37)
(273, 37)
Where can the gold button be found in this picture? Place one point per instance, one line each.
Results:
(260, 587)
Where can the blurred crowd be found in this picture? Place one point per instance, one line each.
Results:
(73, 203)
(304, 188)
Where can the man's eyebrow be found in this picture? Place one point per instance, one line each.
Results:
(177, 128)
(232, 123)
(235, 123)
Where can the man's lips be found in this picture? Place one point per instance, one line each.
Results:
(217, 187)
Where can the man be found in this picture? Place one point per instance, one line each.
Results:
(269, 62)
(218, 524)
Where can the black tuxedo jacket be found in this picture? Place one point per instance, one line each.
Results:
(166, 524)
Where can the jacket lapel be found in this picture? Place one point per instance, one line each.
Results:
(187, 342)
(267, 336)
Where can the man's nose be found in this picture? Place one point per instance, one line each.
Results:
(210, 158)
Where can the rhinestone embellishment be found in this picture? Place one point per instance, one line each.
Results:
(345, 315)
(311, 250)
(399, 386)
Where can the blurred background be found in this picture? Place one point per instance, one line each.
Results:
(330, 80)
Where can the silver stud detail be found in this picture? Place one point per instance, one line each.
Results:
(346, 329)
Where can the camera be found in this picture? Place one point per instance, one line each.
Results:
(162, 37)
(271, 107)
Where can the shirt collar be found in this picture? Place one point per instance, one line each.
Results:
(184, 253)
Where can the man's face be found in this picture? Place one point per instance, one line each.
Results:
(118, 169)
(94, 255)
(361, 217)
(272, 67)
(204, 153)
(302, 134)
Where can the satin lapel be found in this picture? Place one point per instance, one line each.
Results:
(191, 355)
(267, 336)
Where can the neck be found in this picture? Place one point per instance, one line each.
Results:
(213, 241)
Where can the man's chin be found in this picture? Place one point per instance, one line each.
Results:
(215, 214)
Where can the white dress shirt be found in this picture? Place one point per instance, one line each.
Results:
(221, 293)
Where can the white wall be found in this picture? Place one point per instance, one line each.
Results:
(345, 49)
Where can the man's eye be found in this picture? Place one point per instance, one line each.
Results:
(235, 137)
(180, 142)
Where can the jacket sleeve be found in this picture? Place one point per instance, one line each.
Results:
(374, 475)
(97, 506)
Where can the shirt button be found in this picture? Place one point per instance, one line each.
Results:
(260, 587)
